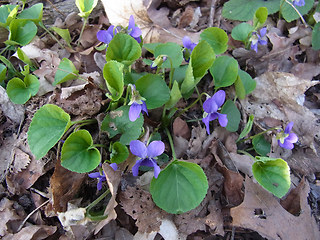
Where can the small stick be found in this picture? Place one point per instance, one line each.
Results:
(30, 214)
(212, 11)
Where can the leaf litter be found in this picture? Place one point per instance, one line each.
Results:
(231, 201)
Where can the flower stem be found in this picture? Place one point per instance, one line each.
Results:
(95, 202)
(86, 121)
(260, 133)
(44, 28)
(171, 143)
(82, 29)
(191, 105)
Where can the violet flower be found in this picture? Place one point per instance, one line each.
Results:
(147, 155)
(106, 36)
(189, 46)
(114, 166)
(298, 3)
(286, 138)
(211, 107)
(134, 31)
(257, 39)
(137, 104)
(100, 176)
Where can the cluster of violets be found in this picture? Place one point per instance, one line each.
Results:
(147, 154)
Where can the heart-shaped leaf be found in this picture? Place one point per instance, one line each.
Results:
(180, 187)
(112, 73)
(233, 115)
(21, 32)
(241, 32)
(119, 153)
(154, 89)
(78, 154)
(33, 13)
(273, 174)
(64, 33)
(7, 13)
(290, 14)
(260, 17)
(123, 48)
(48, 125)
(66, 71)
(85, 7)
(117, 122)
(217, 38)
(261, 145)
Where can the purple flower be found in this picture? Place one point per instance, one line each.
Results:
(189, 46)
(299, 3)
(134, 31)
(106, 36)
(286, 138)
(211, 106)
(135, 110)
(114, 166)
(100, 177)
(147, 155)
(257, 39)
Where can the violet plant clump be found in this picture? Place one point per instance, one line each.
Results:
(286, 138)
(147, 155)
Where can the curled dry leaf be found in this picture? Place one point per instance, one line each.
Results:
(33, 232)
(261, 212)
(153, 22)
(113, 180)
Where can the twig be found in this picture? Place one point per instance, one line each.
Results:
(212, 11)
(30, 214)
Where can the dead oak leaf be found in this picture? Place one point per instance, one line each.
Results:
(262, 212)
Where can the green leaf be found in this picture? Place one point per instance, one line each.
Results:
(66, 71)
(180, 73)
(21, 32)
(119, 153)
(290, 14)
(240, 90)
(123, 48)
(47, 127)
(188, 187)
(316, 36)
(224, 71)
(78, 154)
(117, 122)
(273, 174)
(233, 115)
(172, 51)
(20, 91)
(247, 128)
(151, 47)
(3, 72)
(64, 34)
(175, 95)
(261, 145)
(217, 38)
(154, 89)
(248, 83)
(7, 13)
(260, 17)
(244, 10)
(202, 58)
(23, 57)
(33, 13)
(85, 7)
(241, 32)
(112, 73)
(189, 82)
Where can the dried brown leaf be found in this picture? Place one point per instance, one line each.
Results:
(261, 212)
(32, 232)
(7, 213)
(180, 128)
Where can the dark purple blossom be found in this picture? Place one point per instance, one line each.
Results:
(211, 106)
(114, 166)
(298, 3)
(136, 108)
(286, 138)
(258, 39)
(147, 155)
(106, 36)
(100, 176)
(189, 46)
(133, 30)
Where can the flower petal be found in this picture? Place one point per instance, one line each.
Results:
(131, 22)
(208, 119)
(263, 31)
(262, 42)
(155, 149)
(156, 169)
(144, 107)
(288, 128)
(187, 42)
(114, 166)
(94, 175)
(99, 185)
(293, 138)
(223, 120)
(286, 144)
(219, 98)
(138, 148)
(134, 111)
(135, 32)
(210, 106)
(104, 36)
(254, 46)
(135, 168)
